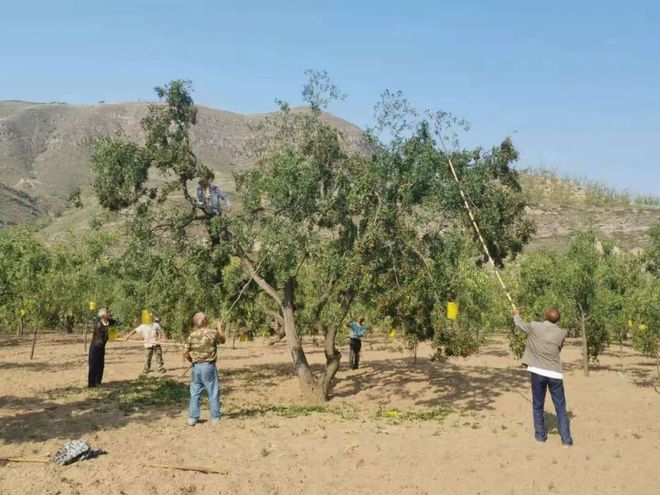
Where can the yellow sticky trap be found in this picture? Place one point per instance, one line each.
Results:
(113, 333)
(630, 324)
(392, 333)
(22, 312)
(643, 327)
(146, 317)
(242, 337)
(69, 312)
(393, 413)
(92, 305)
(452, 310)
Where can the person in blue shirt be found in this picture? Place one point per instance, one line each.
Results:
(209, 196)
(355, 334)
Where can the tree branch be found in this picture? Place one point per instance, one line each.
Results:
(260, 281)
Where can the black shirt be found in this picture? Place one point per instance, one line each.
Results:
(101, 333)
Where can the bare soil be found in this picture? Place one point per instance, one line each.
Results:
(463, 426)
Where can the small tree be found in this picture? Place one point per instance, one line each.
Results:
(646, 327)
(593, 287)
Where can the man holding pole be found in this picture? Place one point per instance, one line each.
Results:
(544, 343)
(201, 349)
(152, 335)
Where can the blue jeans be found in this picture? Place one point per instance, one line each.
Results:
(539, 386)
(204, 376)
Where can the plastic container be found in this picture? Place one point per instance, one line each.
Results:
(147, 317)
(113, 334)
(452, 310)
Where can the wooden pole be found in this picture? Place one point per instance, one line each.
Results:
(34, 337)
(585, 344)
(4, 460)
(85, 335)
(187, 468)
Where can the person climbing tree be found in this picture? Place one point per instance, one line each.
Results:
(209, 195)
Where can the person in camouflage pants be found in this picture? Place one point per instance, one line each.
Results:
(201, 349)
(152, 335)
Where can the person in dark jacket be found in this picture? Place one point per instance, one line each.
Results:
(97, 349)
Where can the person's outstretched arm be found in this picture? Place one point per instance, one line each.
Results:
(519, 322)
(221, 333)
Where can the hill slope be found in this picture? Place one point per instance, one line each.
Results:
(42, 152)
(42, 160)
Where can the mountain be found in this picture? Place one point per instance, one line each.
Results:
(42, 152)
(42, 159)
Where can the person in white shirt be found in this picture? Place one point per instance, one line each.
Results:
(152, 335)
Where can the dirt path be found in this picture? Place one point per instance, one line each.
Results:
(392, 427)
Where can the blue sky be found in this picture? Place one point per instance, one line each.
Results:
(576, 84)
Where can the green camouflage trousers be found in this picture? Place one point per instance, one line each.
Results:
(148, 353)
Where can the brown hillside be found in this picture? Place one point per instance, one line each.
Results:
(41, 152)
(42, 160)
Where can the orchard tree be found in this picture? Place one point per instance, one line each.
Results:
(653, 252)
(24, 261)
(591, 284)
(646, 328)
(322, 225)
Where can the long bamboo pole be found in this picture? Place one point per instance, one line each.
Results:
(474, 223)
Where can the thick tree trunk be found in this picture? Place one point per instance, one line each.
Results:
(332, 361)
(585, 344)
(308, 382)
(311, 388)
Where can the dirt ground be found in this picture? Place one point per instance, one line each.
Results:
(392, 427)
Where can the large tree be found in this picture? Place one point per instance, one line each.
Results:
(321, 224)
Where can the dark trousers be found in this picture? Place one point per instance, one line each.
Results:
(96, 362)
(355, 346)
(539, 386)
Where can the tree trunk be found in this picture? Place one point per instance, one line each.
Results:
(585, 344)
(332, 361)
(308, 383)
(34, 337)
(85, 336)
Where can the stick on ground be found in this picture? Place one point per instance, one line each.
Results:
(5, 460)
(187, 468)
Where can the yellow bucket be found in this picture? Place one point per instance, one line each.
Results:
(113, 333)
(147, 317)
(452, 310)
(92, 305)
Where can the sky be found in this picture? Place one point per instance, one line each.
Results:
(575, 84)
